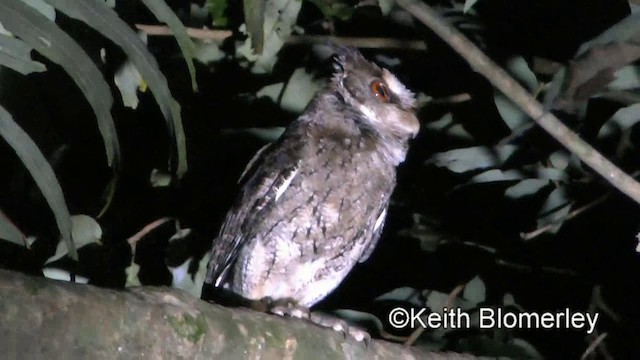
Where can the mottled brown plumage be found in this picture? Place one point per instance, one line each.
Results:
(313, 204)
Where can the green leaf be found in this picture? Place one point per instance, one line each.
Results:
(525, 187)
(10, 232)
(554, 211)
(332, 9)
(468, 4)
(159, 178)
(132, 272)
(128, 80)
(85, 230)
(626, 78)
(621, 121)
(49, 40)
(278, 19)
(164, 13)
(518, 68)
(495, 175)
(512, 115)
(15, 54)
(300, 89)
(447, 125)
(559, 160)
(626, 30)
(43, 8)
(268, 134)
(473, 158)
(405, 294)
(64, 275)
(254, 11)
(475, 291)
(100, 17)
(386, 6)
(183, 279)
(217, 9)
(42, 174)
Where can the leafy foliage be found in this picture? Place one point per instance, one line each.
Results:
(489, 211)
(42, 173)
(51, 41)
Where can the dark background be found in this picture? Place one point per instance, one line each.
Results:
(596, 249)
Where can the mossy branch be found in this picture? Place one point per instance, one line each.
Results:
(43, 318)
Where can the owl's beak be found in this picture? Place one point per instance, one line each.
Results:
(412, 125)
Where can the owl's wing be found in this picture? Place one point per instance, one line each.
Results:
(251, 165)
(377, 232)
(222, 257)
(266, 177)
(221, 261)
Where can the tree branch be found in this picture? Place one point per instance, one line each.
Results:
(516, 93)
(360, 42)
(43, 319)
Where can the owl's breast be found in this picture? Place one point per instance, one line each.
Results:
(305, 241)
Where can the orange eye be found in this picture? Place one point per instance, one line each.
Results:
(380, 90)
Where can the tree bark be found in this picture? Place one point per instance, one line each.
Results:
(48, 319)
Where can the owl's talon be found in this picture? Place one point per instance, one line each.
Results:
(290, 309)
(277, 311)
(342, 326)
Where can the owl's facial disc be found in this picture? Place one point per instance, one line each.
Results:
(391, 120)
(385, 103)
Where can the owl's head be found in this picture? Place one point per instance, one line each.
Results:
(386, 106)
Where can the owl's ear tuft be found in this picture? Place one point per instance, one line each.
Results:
(338, 64)
(345, 57)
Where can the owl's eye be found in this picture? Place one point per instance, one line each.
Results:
(380, 90)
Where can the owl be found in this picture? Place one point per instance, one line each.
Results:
(313, 204)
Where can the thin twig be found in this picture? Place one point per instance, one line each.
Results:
(600, 304)
(530, 269)
(453, 295)
(360, 42)
(516, 133)
(451, 99)
(471, 244)
(203, 34)
(387, 336)
(145, 230)
(448, 305)
(570, 215)
(594, 344)
(541, 230)
(594, 305)
(516, 93)
(414, 336)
